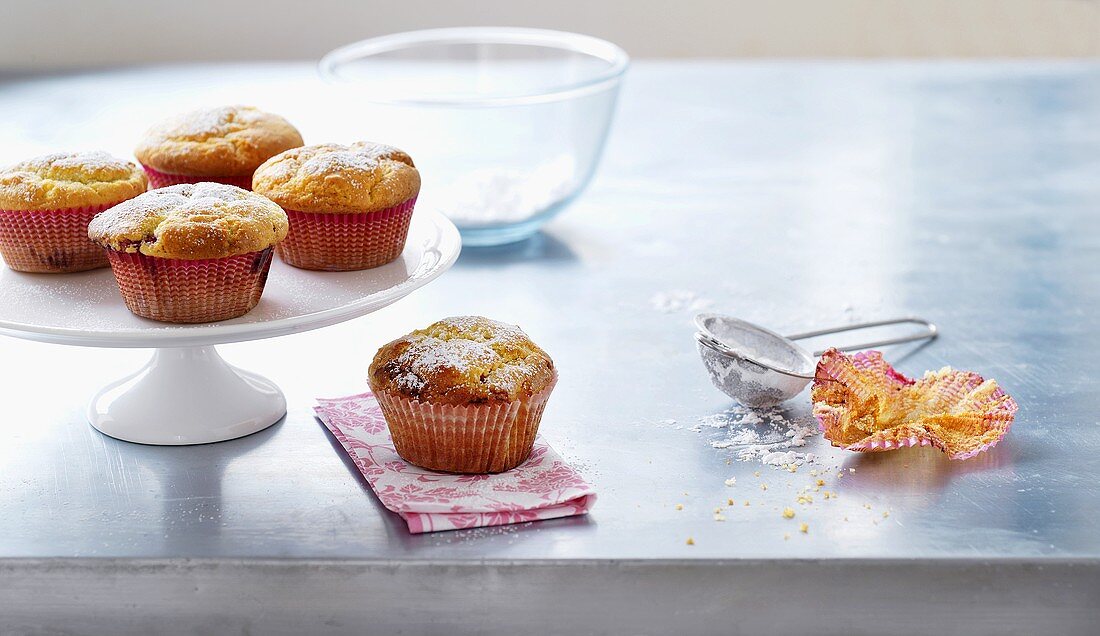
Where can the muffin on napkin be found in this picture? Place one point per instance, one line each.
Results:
(464, 395)
(544, 486)
(191, 252)
(349, 206)
(47, 202)
(224, 145)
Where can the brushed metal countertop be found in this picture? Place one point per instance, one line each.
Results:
(795, 195)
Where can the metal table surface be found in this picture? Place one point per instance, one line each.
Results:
(795, 195)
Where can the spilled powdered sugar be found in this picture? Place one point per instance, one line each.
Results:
(766, 435)
(669, 302)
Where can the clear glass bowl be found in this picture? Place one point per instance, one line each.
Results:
(506, 125)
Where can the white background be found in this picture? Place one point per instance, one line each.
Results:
(60, 34)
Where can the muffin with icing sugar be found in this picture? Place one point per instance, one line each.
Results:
(191, 252)
(223, 145)
(47, 202)
(349, 205)
(464, 395)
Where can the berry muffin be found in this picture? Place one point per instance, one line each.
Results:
(191, 252)
(46, 204)
(349, 206)
(464, 395)
(223, 145)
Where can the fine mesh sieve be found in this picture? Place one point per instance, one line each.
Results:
(760, 368)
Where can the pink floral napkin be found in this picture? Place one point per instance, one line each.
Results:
(543, 487)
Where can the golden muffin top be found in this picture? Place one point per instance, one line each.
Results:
(191, 221)
(226, 141)
(463, 360)
(69, 180)
(362, 177)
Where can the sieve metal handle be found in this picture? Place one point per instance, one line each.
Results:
(930, 331)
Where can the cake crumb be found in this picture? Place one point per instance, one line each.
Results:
(786, 536)
(867, 506)
(804, 527)
(788, 513)
(731, 481)
(885, 513)
(719, 517)
(679, 506)
(756, 473)
(763, 486)
(690, 541)
(820, 482)
(729, 502)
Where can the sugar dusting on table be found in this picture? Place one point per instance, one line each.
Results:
(677, 300)
(768, 435)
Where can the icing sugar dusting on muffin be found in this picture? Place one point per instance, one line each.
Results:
(191, 221)
(202, 125)
(336, 178)
(68, 166)
(216, 142)
(367, 157)
(69, 179)
(432, 357)
(464, 358)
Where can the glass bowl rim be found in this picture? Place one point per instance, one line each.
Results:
(614, 55)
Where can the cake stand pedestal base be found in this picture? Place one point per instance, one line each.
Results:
(186, 395)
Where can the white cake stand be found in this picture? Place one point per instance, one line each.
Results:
(187, 394)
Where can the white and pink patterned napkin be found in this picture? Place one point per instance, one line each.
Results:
(543, 487)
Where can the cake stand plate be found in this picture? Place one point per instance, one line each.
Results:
(187, 394)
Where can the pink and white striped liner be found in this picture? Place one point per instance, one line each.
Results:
(543, 487)
(159, 179)
(863, 404)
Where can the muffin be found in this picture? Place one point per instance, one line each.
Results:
(46, 204)
(191, 252)
(222, 145)
(464, 395)
(349, 206)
